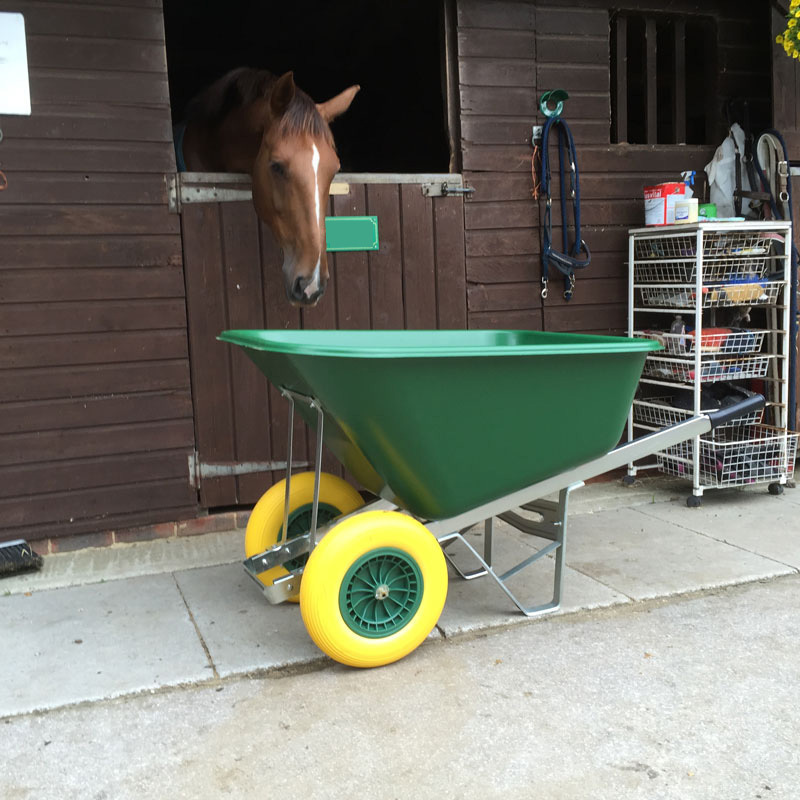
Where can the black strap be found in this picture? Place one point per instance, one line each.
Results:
(577, 255)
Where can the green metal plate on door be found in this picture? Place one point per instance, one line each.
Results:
(351, 233)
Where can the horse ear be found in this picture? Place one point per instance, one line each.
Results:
(336, 106)
(282, 94)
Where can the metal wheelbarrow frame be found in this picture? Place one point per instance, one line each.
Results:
(451, 530)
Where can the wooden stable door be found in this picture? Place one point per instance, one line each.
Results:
(233, 280)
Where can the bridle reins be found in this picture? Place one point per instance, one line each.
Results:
(570, 258)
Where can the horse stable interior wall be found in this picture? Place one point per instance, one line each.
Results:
(95, 405)
(509, 53)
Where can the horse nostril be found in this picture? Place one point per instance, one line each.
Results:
(298, 288)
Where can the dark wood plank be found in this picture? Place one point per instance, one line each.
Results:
(86, 412)
(211, 363)
(508, 214)
(502, 242)
(87, 473)
(521, 269)
(51, 52)
(486, 43)
(105, 523)
(89, 381)
(419, 268)
(386, 264)
(448, 215)
(94, 348)
(575, 21)
(504, 297)
(352, 270)
(69, 19)
(554, 52)
(39, 188)
(43, 446)
(60, 220)
(243, 292)
(497, 158)
(91, 121)
(58, 252)
(576, 318)
(61, 285)
(496, 72)
(114, 88)
(521, 102)
(524, 320)
(94, 504)
(503, 269)
(54, 155)
(102, 316)
(497, 14)
(576, 78)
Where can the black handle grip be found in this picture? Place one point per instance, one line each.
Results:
(746, 406)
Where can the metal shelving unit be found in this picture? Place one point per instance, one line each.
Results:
(707, 272)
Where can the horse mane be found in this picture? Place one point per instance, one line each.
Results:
(245, 85)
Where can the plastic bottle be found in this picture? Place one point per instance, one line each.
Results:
(678, 328)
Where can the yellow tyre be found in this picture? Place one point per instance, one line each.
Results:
(265, 527)
(373, 588)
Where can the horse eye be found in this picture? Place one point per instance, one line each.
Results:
(278, 169)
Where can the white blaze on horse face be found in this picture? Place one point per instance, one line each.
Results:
(313, 285)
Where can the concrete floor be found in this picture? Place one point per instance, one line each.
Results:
(159, 670)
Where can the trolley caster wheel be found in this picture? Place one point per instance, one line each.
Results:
(693, 501)
(373, 588)
(265, 526)
(775, 488)
(628, 480)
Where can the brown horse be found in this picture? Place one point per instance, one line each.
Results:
(250, 121)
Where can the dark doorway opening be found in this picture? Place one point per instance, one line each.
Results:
(394, 51)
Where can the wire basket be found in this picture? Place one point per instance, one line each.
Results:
(658, 412)
(711, 369)
(755, 454)
(716, 244)
(721, 341)
(721, 270)
(750, 293)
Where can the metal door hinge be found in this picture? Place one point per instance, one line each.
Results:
(223, 469)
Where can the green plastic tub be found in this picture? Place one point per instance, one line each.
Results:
(443, 421)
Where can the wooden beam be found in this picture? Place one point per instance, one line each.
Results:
(621, 80)
(679, 109)
(651, 80)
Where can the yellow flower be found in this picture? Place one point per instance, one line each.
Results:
(779, 39)
(792, 23)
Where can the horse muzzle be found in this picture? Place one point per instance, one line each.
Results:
(306, 291)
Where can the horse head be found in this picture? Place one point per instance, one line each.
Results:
(292, 174)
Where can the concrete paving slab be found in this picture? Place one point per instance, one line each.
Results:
(645, 557)
(754, 521)
(96, 564)
(242, 631)
(94, 642)
(481, 604)
(612, 494)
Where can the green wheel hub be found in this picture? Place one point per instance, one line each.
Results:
(300, 523)
(380, 593)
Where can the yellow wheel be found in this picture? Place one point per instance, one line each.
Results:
(265, 527)
(373, 588)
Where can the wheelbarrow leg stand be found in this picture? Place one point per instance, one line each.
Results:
(553, 526)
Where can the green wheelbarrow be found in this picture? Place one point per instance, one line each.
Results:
(443, 430)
